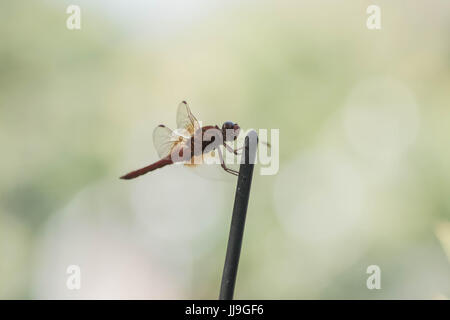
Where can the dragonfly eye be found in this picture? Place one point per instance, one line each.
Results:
(228, 125)
(230, 131)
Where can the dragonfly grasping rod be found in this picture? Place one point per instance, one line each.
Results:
(238, 218)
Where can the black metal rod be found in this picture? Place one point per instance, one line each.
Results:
(238, 219)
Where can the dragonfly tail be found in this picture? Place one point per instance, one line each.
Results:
(158, 164)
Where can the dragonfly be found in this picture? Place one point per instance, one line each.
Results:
(189, 142)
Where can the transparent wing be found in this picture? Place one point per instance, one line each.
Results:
(185, 119)
(165, 139)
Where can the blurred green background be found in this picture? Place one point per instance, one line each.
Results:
(364, 123)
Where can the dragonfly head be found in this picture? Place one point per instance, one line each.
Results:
(230, 131)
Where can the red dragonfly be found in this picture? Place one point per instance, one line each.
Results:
(189, 142)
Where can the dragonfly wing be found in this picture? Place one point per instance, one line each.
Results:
(165, 139)
(186, 120)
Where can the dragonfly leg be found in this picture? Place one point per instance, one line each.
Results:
(230, 149)
(237, 149)
(222, 163)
